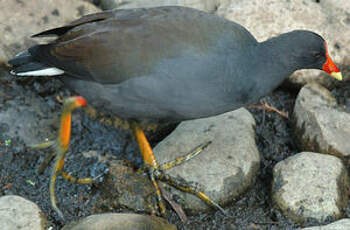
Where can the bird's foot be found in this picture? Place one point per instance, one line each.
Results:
(157, 172)
(182, 184)
(187, 187)
(60, 146)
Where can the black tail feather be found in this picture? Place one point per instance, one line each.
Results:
(21, 58)
(24, 62)
(30, 66)
(53, 32)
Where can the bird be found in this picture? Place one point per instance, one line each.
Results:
(163, 65)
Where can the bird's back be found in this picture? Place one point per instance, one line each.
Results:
(129, 43)
(166, 63)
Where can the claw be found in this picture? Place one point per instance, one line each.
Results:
(99, 178)
(48, 157)
(43, 145)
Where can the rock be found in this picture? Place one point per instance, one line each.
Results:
(17, 213)
(225, 169)
(270, 18)
(124, 188)
(27, 117)
(21, 19)
(343, 224)
(204, 5)
(122, 221)
(321, 125)
(310, 185)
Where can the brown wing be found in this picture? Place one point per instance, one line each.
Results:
(113, 46)
(83, 20)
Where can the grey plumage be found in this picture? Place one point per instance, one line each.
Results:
(171, 63)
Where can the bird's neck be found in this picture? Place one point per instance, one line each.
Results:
(282, 52)
(274, 61)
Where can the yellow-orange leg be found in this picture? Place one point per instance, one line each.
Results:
(149, 160)
(182, 159)
(156, 172)
(58, 170)
(61, 145)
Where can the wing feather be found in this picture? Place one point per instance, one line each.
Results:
(114, 46)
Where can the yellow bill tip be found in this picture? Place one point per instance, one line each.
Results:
(337, 75)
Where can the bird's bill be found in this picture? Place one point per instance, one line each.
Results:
(337, 75)
(330, 68)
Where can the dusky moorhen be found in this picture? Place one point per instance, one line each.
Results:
(165, 64)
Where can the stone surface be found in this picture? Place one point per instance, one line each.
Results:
(123, 221)
(310, 185)
(123, 188)
(27, 117)
(205, 5)
(17, 213)
(320, 124)
(225, 168)
(21, 19)
(268, 18)
(343, 224)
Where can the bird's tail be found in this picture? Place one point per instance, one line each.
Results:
(23, 64)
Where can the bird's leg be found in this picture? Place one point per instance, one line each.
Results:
(183, 159)
(182, 184)
(149, 160)
(48, 156)
(61, 145)
(156, 171)
(187, 187)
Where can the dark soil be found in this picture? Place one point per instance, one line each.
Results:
(19, 164)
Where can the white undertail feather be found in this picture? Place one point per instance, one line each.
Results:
(43, 72)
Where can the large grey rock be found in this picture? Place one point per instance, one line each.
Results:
(122, 221)
(343, 224)
(270, 17)
(320, 124)
(224, 169)
(205, 5)
(21, 19)
(310, 185)
(17, 213)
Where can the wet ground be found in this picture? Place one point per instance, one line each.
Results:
(19, 164)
